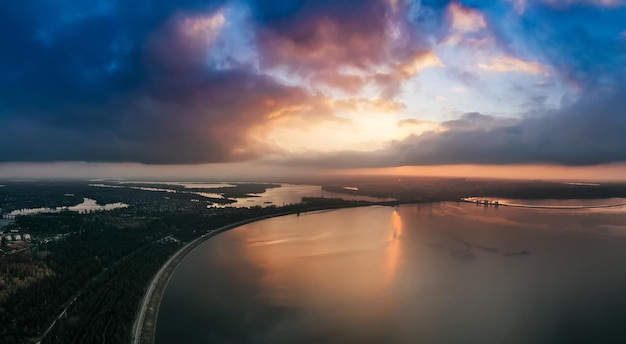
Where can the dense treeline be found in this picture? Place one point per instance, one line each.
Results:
(21, 270)
(74, 261)
(106, 310)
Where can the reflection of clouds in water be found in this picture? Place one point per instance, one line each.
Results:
(386, 273)
(619, 230)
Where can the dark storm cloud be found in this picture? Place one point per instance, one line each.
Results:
(190, 121)
(315, 40)
(115, 81)
(119, 81)
(77, 50)
(75, 84)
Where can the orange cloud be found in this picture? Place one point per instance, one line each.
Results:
(611, 172)
(366, 105)
(420, 61)
(465, 19)
(412, 122)
(504, 64)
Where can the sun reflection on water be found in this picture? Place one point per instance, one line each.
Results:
(394, 249)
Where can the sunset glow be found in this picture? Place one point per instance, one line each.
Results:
(412, 87)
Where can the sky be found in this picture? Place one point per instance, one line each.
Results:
(218, 88)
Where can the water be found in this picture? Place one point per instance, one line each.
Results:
(442, 273)
(293, 193)
(616, 203)
(285, 194)
(189, 185)
(87, 205)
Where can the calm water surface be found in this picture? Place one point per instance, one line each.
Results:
(279, 196)
(442, 273)
(293, 193)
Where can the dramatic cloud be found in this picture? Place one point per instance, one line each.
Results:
(403, 82)
(589, 132)
(325, 45)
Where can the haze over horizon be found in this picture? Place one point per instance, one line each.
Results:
(241, 89)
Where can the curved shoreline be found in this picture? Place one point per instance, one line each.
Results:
(474, 200)
(144, 327)
(568, 207)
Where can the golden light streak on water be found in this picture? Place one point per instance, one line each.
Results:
(394, 248)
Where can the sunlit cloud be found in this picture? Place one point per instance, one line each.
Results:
(399, 82)
(421, 60)
(367, 105)
(465, 19)
(413, 126)
(412, 122)
(504, 64)
(203, 27)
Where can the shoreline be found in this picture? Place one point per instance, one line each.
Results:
(144, 327)
(474, 200)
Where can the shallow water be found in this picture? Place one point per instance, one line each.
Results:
(440, 273)
(293, 193)
(283, 195)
